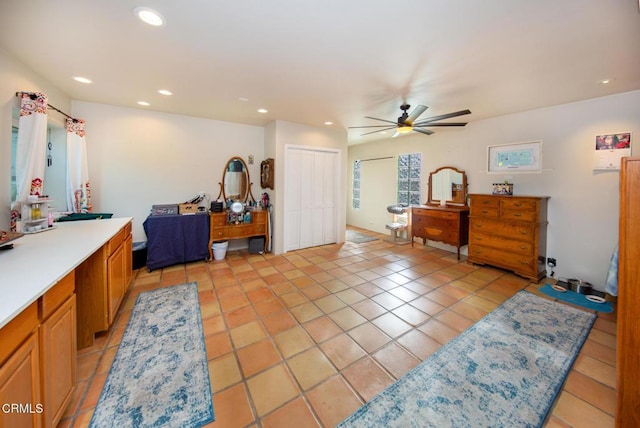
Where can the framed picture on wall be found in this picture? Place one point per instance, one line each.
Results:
(610, 149)
(266, 174)
(517, 157)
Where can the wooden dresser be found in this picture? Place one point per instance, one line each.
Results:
(628, 337)
(449, 224)
(220, 229)
(509, 232)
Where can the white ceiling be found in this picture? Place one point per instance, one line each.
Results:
(309, 61)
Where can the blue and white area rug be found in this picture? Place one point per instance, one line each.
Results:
(504, 371)
(160, 376)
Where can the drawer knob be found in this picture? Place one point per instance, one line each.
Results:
(517, 204)
(523, 247)
(523, 232)
(485, 212)
(478, 238)
(524, 262)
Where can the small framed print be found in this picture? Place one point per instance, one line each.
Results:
(266, 174)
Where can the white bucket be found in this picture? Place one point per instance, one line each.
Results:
(220, 250)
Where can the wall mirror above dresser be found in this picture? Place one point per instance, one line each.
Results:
(447, 184)
(236, 183)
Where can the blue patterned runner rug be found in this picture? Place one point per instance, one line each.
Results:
(504, 371)
(160, 376)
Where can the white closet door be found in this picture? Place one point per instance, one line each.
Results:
(310, 203)
(307, 202)
(292, 201)
(330, 195)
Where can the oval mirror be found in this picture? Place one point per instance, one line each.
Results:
(235, 180)
(449, 184)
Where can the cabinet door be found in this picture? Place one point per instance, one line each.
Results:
(58, 357)
(115, 281)
(20, 387)
(128, 263)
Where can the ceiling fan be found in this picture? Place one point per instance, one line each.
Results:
(408, 121)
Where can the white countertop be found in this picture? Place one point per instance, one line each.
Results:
(38, 261)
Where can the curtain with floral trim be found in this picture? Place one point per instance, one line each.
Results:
(78, 188)
(30, 150)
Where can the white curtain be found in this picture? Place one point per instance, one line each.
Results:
(30, 150)
(78, 188)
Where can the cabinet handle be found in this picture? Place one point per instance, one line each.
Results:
(477, 238)
(523, 232)
(517, 215)
(485, 202)
(523, 247)
(523, 262)
(517, 204)
(485, 212)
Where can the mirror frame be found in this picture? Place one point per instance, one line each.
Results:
(248, 195)
(432, 201)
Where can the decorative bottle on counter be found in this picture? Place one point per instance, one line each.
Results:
(247, 217)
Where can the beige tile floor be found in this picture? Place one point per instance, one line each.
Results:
(304, 339)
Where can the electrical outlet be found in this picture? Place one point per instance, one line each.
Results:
(551, 262)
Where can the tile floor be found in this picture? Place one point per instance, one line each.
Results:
(304, 339)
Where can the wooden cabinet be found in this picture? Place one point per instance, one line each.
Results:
(20, 371)
(509, 232)
(38, 358)
(220, 230)
(102, 281)
(628, 336)
(449, 225)
(58, 349)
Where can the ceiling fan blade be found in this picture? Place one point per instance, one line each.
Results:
(383, 120)
(370, 126)
(444, 124)
(415, 113)
(378, 130)
(443, 116)
(423, 131)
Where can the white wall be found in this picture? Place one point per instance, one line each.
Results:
(138, 158)
(583, 209)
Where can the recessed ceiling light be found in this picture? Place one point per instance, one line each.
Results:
(150, 16)
(328, 122)
(606, 81)
(81, 79)
(263, 110)
(144, 103)
(165, 92)
(243, 99)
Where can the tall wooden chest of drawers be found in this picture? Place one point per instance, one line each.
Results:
(443, 224)
(509, 232)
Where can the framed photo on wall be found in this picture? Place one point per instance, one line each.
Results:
(518, 157)
(266, 173)
(610, 149)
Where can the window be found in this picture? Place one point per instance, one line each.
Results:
(356, 185)
(409, 172)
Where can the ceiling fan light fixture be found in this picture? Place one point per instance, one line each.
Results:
(404, 129)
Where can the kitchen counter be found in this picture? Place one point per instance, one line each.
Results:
(38, 261)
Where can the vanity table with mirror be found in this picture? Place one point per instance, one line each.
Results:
(242, 218)
(445, 216)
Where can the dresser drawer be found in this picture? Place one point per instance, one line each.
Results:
(518, 204)
(421, 212)
(446, 236)
(218, 219)
(485, 212)
(520, 263)
(507, 229)
(519, 215)
(522, 247)
(484, 201)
